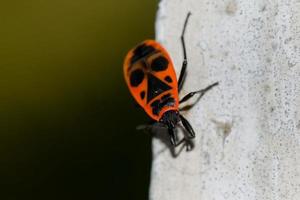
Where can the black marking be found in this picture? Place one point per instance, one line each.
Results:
(167, 100)
(141, 51)
(155, 103)
(159, 64)
(136, 77)
(170, 102)
(155, 87)
(168, 79)
(166, 96)
(155, 107)
(142, 94)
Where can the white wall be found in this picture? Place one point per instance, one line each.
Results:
(248, 128)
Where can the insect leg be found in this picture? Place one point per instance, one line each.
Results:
(202, 92)
(173, 136)
(174, 140)
(184, 63)
(187, 126)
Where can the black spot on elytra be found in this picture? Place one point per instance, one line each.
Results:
(141, 51)
(142, 94)
(159, 64)
(168, 79)
(167, 100)
(136, 77)
(157, 105)
(155, 87)
(166, 96)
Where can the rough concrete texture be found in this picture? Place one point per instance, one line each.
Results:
(248, 128)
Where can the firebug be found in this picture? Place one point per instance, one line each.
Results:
(151, 79)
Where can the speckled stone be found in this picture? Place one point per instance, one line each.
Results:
(247, 144)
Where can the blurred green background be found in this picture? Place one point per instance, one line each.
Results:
(67, 120)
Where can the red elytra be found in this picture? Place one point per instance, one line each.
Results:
(150, 77)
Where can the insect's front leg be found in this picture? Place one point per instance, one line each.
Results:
(184, 63)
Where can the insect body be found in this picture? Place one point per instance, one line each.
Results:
(151, 79)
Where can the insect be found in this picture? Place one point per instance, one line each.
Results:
(151, 79)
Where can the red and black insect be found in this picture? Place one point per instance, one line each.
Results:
(151, 79)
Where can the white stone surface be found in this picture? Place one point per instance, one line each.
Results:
(248, 128)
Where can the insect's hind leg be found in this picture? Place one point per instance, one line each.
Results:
(202, 92)
(173, 137)
(186, 140)
(187, 127)
(184, 63)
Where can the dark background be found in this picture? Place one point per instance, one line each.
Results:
(67, 120)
